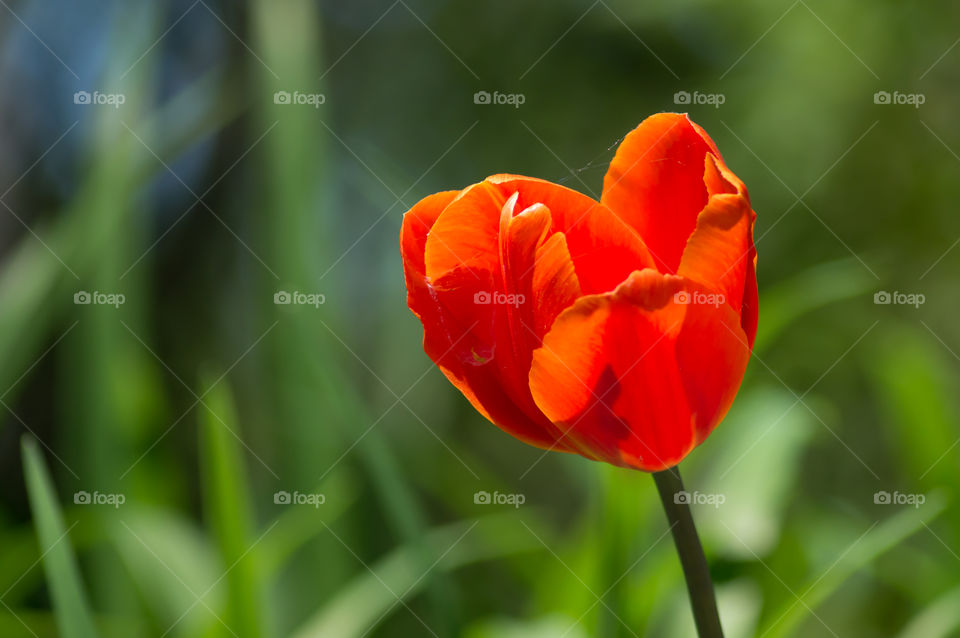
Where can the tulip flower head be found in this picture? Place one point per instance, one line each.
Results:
(619, 330)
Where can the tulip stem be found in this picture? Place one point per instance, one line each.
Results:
(692, 559)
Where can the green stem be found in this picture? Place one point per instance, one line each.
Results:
(694, 563)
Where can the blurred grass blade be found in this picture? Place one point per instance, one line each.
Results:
(939, 620)
(35, 288)
(74, 619)
(171, 562)
(884, 537)
(756, 466)
(296, 526)
(369, 598)
(299, 177)
(549, 626)
(295, 235)
(229, 514)
(915, 381)
(814, 288)
(30, 279)
(200, 109)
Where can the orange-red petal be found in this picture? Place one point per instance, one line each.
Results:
(655, 183)
(716, 254)
(417, 223)
(496, 278)
(695, 223)
(604, 249)
(636, 378)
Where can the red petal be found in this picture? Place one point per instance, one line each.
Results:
(417, 222)
(717, 253)
(655, 183)
(604, 249)
(466, 234)
(749, 313)
(636, 378)
(496, 282)
(540, 269)
(716, 176)
(416, 226)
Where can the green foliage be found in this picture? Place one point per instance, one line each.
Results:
(73, 616)
(199, 400)
(229, 513)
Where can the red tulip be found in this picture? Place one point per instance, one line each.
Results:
(620, 329)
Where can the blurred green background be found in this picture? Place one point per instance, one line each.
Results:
(199, 460)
